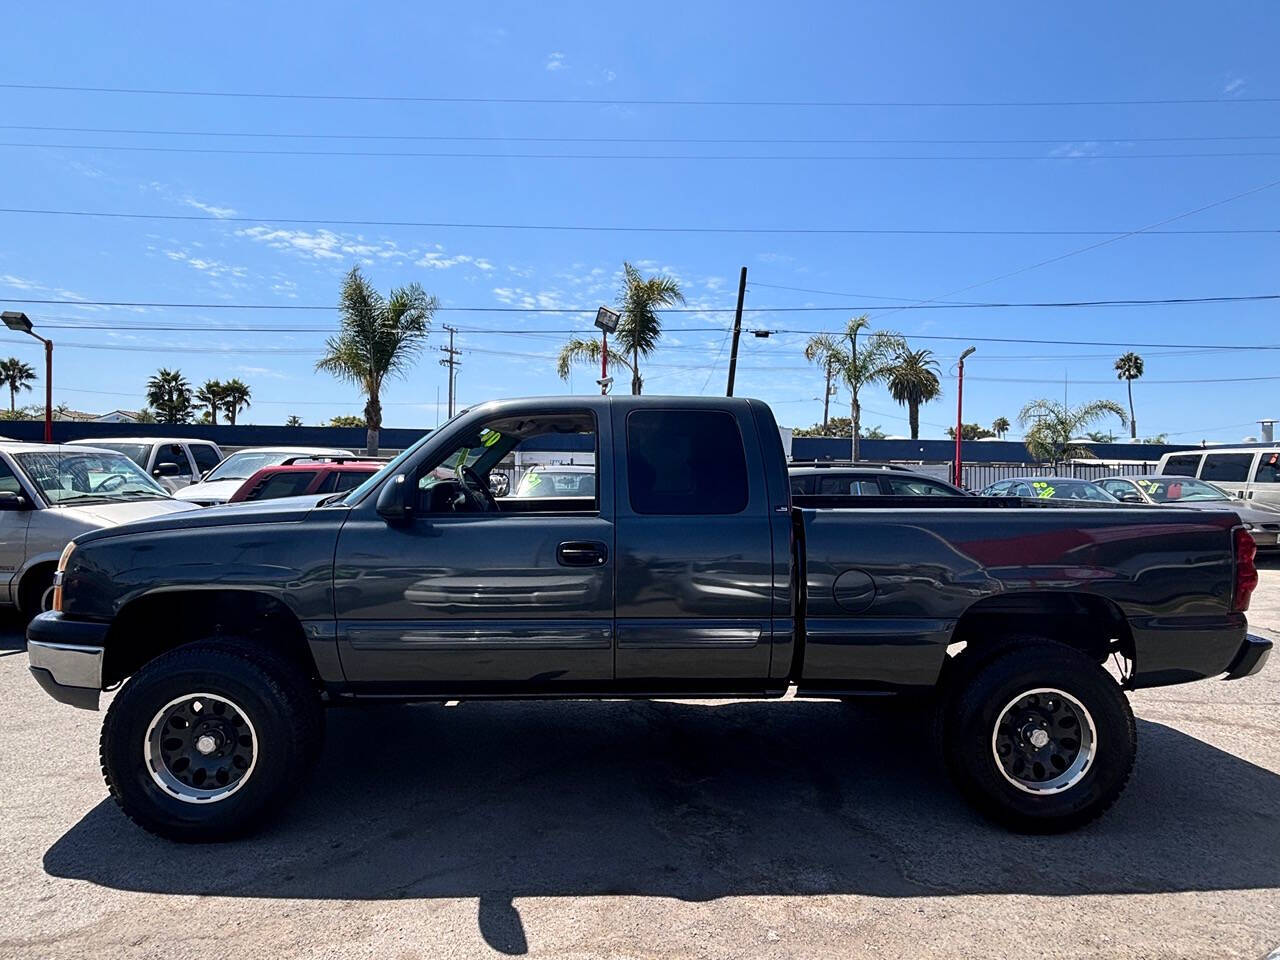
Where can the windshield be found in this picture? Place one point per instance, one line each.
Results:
(1070, 490)
(242, 466)
(556, 483)
(66, 477)
(359, 492)
(1180, 490)
(137, 452)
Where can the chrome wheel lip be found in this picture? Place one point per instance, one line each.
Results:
(1080, 765)
(165, 779)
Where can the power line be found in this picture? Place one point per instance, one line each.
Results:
(623, 101)
(471, 138)
(613, 157)
(841, 308)
(1100, 243)
(597, 228)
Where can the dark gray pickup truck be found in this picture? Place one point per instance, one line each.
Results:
(689, 572)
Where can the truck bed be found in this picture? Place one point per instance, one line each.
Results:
(890, 584)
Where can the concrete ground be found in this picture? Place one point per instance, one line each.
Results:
(783, 829)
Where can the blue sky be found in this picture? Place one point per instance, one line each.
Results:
(884, 52)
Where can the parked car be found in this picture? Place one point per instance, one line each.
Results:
(1261, 521)
(227, 477)
(1249, 473)
(688, 573)
(867, 481)
(557, 480)
(49, 494)
(1049, 488)
(306, 475)
(174, 462)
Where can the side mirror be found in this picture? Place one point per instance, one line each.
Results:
(394, 503)
(1130, 497)
(165, 469)
(13, 501)
(499, 484)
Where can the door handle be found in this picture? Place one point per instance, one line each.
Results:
(582, 553)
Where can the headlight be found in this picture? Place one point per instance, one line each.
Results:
(59, 574)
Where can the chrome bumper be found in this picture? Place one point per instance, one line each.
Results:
(70, 672)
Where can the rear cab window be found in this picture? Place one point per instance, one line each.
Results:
(685, 463)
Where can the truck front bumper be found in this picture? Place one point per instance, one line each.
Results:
(1251, 658)
(66, 658)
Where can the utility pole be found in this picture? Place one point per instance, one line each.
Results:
(958, 477)
(452, 362)
(737, 330)
(826, 398)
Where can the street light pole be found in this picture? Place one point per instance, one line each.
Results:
(20, 322)
(960, 414)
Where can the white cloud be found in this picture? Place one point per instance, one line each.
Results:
(217, 211)
(1234, 85)
(262, 372)
(531, 299)
(1088, 148)
(325, 244)
(207, 265)
(19, 283)
(555, 61)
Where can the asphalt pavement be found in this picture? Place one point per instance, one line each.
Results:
(718, 829)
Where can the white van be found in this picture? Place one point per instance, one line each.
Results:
(1251, 473)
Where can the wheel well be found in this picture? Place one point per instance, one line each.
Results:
(157, 623)
(1091, 624)
(34, 575)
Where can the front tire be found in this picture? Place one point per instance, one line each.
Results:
(1041, 739)
(207, 741)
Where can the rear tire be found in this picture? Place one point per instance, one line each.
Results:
(208, 741)
(1040, 739)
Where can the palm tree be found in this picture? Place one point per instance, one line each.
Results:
(1000, 426)
(913, 381)
(858, 367)
(293, 421)
(585, 350)
(1055, 425)
(1129, 369)
(639, 329)
(235, 397)
(169, 395)
(17, 376)
(380, 338)
(210, 396)
(817, 351)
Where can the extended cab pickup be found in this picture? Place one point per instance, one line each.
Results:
(689, 572)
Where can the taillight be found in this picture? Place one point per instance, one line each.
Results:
(1246, 571)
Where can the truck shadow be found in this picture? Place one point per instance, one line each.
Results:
(499, 801)
(13, 633)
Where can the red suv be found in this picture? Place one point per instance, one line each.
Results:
(302, 475)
